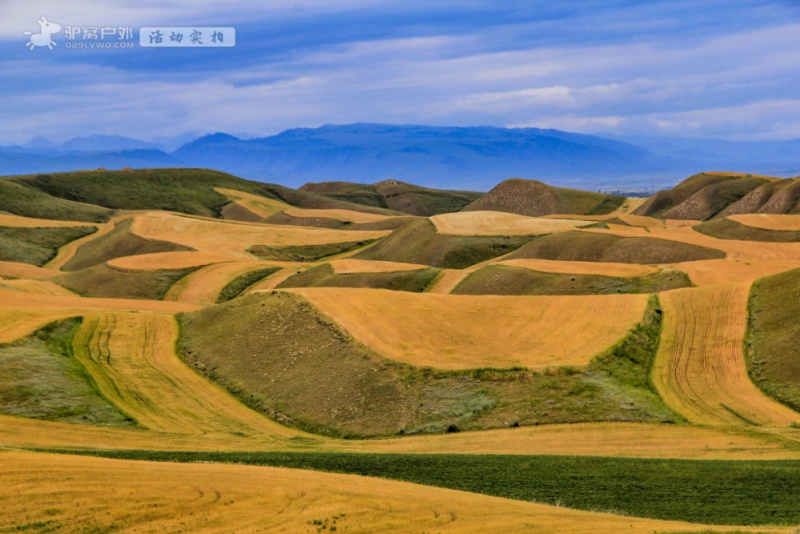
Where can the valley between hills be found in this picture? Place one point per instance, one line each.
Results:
(185, 350)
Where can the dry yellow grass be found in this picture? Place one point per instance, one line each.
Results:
(725, 271)
(464, 332)
(700, 368)
(132, 360)
(24, 270)
(67, 252)
(369, 266)
(622, 270)
(16, 323)
(448, 279)
(24, 301)
(768, 221)
(76, 494)
(204, 285)
(261, 206)
(42, 287)
(228, 238)
(338, 214)
(168, 260)
(501, 223)
(7, 219)
(633, 440)
(628, 205)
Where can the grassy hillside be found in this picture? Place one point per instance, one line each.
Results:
(118, 243)
(588, 246)
(420, 243)
(113, 282)
(40, 378)
(20, 200)
(324, 276)
(534, 198)
(773, 347)
(394, 195)
(238, 285)
(779, 196)
(304, 252)
(188, 191)
(508, 280)
(727, 229)
(37, 246)
(282, 357)
(701, 196)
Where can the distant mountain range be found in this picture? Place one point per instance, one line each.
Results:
(474, 158)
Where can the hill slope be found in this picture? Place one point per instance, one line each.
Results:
(395, 195)
(534, 198)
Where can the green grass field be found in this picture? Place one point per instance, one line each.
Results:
(112, 282)
(239, 284)
(305, 252)
(728, 229)
(29, 202)
(773, 337)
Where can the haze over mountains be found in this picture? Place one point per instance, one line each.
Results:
(473, 158)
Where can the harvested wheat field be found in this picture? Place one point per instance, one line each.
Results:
(465, 332)
(68, 251)
(24, 270)
(132, 360)
(271, 282)
(17, 221)
(700, 368)
(500, 223)
(768, 221)
(21, 300)
(82, 493)
(217, 237)
(43, 287)
(369, 266)
(20, 322)
(168, 260)
(728, 271)
(632, 440)
(337, 214)
(622, 270)
(260, 206)
(448, 279)
(204, 285)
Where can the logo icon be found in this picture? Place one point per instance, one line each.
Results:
(44, 37)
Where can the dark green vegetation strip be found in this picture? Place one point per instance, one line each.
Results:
(303, 370)
(118, 243)
(710, 492)
(237, 286)
(40, 378)
(420, 243)
(27, 202)
(113, 282)
(37, 246)
(773, 337)
(305, 252)
(728, 229)
(508, 280)
(415, 281)
(589, 246)
(398, 196)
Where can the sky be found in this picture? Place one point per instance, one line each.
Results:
(683, 68)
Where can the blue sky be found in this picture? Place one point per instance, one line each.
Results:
(715, 69)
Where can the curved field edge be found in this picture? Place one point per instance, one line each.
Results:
(707, 491)
(773, 337)
(304, 371)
